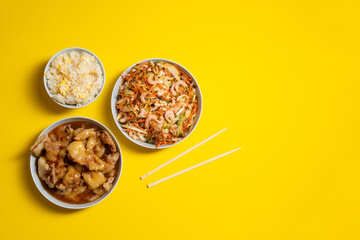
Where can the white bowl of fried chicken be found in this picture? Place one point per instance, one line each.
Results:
(76, 162)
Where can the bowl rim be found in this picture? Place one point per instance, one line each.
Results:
(37, 180)
(114, 99)
(65, 51)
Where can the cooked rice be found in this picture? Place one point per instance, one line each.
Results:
(74, 78)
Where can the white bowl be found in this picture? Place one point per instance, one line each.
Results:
(115, 111)
(37, 180)
(64, 51)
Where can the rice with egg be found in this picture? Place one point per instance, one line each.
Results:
(74, 78)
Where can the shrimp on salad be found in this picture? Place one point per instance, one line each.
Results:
(157, 103)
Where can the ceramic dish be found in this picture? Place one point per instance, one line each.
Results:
(65, 51)
(37, 180)
(114, 99)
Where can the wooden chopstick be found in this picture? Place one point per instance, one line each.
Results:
(190, 168)
(181, 154)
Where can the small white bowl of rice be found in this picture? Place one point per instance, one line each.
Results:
(74, 77)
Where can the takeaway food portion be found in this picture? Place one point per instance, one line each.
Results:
(157, 103)
(74, 78)
(77, 162)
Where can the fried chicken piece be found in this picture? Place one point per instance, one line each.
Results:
(72, 184)
(93, 162)
(77, 152)
(96, 145)
(60, 169)
(39, 145)
(76, 132)
(52, 150)
(107, 139)
(92, 142)
(43, 168)
(46, 172)
(64, 135)
(99, 149)
(72, 177)
(86, 133)
(94, 179)
(86, 157)
(111, 161)
(108, 184)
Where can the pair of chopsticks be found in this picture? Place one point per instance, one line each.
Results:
(190, 168)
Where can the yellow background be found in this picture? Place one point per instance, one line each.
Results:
(282, 75)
